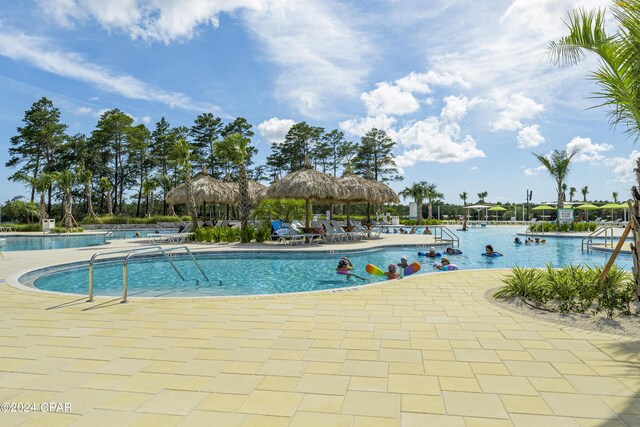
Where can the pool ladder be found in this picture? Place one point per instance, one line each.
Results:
(587, 242)
(445, 235)
(142, 251)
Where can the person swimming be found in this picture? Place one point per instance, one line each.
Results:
(537, 240)
(137, 235)
(451, 251)
(432, 253)
(426, 230)
(517, 241)
(392, 272)
(403, 262)
(344, 266)
(490, 252)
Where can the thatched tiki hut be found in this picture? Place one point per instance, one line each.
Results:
(359, 190)
(205, 190)
(383, 194)
(308, 184)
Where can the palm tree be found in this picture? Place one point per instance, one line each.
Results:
(617, 74)
(148, 188)
(166, 183)
(564, 192)
(106, 187)
(233, 149)
(464, 196)
(572, 192)
(182, 154)
(558, 164)
(40, 184)
(615, 197)
(65, 180)
(482, 195)
(84, 177)
(417, 192)
(432, 194)
(584, 190)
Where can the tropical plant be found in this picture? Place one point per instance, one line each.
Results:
(148, 188)
(418, 192)
(19, 210)
(584, 190)
(106, 187)
(572, 192)
(263, 232)
(482, 195)
(41, 185)
(464, 196)
(285, 209)
(432, 194)
(233, 148)
(521, 283)
(615, 196)
(558, 164)
(65, 180)
(181, 154)
(84, 177)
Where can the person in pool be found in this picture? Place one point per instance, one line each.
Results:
(137, 235)
(489, 251)
(451, 251)
(392, 272)
(344, 266)
(443, 264)
(403, 262)
(426, 230)
(432, 253)
(517, 241)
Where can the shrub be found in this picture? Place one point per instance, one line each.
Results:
(263, 233)
(248, 234)
(134, 220)
(229, 234)
(26, 227)
(522, 282)
(68, 230)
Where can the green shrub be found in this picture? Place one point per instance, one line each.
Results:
(522, 282)
(552, 226)
(26, 227)
(263, 233)
(68, 230)
(229, 234)
(248, 234)
(134, 220)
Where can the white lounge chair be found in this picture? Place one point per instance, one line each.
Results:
(351, 235)
(333, 234)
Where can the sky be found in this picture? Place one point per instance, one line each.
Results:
(464, 87)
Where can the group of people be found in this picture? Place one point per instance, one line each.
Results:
(530, 241)
(345, 266)
(412, 230)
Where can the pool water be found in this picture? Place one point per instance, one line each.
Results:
(284, 272)
(131, 234)
(40, 242)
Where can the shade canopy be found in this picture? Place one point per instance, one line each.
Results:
(478, 207)
(358, 189)
(587, 207)
(383, 193)
(257, 191)
(308, 184)
(205, 190)
(543, 208)
(496, 209)
(613, 206)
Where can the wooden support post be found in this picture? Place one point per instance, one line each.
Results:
(614, 255)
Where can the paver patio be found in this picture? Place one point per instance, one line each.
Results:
(428, 350)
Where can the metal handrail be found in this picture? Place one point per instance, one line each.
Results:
(98, 254)
(536, 226)
(164, 253)
(453, 237)
(588, 240)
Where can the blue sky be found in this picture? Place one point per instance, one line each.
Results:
(463, 86)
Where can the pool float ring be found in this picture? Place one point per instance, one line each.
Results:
(436, 255)
(493, 255)
(461, 229)
(414, 267)
(448, 267)
(344, 271)
(372, 269)
(455, 252)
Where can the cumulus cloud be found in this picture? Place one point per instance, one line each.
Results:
(438, 139)
(359, 127)
(534, 171)
(530, 136)
(39, 53)
(275, 129)
(513, 109)
(622, 167)
(88, 111)
(588, 151)
(388, 99)
(421, 82)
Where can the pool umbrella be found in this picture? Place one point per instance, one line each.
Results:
(205, 190)
(496, 209)
(542, 208)
(257, 191)
(383, 194)
(308, 184)
(586, 207)
(358, 189)
(612, 206)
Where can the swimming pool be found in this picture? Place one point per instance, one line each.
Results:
(131, 234)
(40, 242)
(245, 273)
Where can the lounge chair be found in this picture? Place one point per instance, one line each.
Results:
(354, 234)
(333, 234)
(7, 229)
(172, 238)
(288, 235)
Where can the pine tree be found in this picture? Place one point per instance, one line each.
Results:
(205, 132)
(375, 157)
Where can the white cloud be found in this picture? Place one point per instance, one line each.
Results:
(88, 111)
(40, 54)
(359, 127)
(473, 168)
(388, 99)
(419, 82)
(275, 129)
(587, 150)
(530, 136)
(622, 167)
(514, 108)
(146, 120)
(534, 171)
(438, 139)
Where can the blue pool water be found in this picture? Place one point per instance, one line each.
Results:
(131, 234)
(266, 273)
(40, 242)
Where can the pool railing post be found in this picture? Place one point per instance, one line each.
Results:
(124, 282)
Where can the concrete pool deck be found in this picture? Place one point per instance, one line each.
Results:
(425, 350)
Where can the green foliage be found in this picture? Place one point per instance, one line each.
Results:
(26, 227)
(285, 209)
(229, 234)
(19, 210)
(247, 234)
(263, 233)
(68, 230)
(572, 289)
(134, 220)
(552, 226)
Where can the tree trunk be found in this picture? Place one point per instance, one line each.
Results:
(243, 184)
(560, 204)
(89, 193)
(191, 202)
(149, 204)
(430, 213)
(308, 211)
(419, 206)
(172, 211)
(42, 211)
(109, 204)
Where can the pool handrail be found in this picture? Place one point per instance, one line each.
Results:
(164, 253)
(587, 242)
(97, 254)
(444, 230)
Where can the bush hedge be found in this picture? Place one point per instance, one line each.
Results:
(552, 226)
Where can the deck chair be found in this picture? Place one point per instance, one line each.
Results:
(354, 234)
(331, 233)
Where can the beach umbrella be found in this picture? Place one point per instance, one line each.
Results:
(205, 190)
(543, 208)
(310, 185)
(257, 191)
(383, 194)
(586, 207)
(358, 189)
(613, 206)
(496, 209)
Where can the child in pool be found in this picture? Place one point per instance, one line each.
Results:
(344, 266)
(392, 272)
(489, 251)
(432, 253)
(403, 262)
(451, 251)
